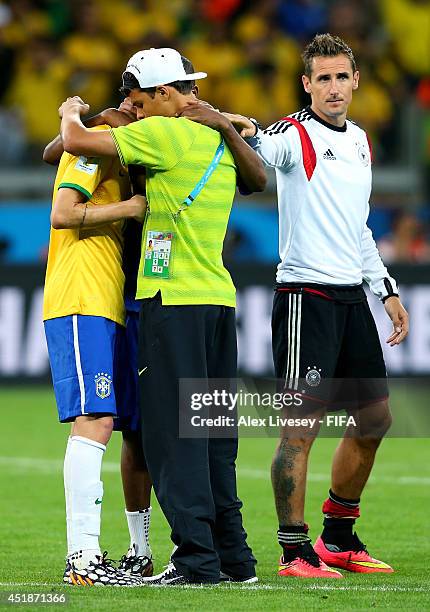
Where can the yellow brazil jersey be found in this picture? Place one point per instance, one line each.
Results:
(176, 153)
(84, 271)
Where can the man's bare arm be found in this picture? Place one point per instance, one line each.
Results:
(77, 139)
(249, 165)
(114, 117)
(54, 150)
(70, 211)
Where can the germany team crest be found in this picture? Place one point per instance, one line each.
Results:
(363, 154)
(103, 384)
(313, 376)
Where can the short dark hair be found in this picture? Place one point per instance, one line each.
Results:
(129, 82)
(326, 45)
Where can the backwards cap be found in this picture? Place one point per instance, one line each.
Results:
(153, 67)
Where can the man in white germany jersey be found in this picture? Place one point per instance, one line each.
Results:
(322, 326)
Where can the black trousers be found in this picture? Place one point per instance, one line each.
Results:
(194, 479)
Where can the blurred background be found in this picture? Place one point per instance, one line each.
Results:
(50, 49)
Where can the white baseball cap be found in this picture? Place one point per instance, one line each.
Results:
(153, 67)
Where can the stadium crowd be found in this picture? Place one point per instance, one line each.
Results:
(50, 49)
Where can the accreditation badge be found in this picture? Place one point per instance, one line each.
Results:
(158, 254)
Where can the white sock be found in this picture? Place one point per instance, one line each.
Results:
(66, 474)
(84, 494)
(138, 526)
(82, 558)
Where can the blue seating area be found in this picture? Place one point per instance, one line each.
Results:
(24, 227)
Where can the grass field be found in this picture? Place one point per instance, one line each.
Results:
(395, 523)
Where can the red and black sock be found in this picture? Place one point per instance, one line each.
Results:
(339, 518)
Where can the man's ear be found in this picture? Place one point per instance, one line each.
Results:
(195, 90)
(164, 92)
(306, 83)
(355, 79)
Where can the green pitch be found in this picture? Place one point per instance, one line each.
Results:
(394, 524)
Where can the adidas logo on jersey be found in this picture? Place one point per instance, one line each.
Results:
(329, 155)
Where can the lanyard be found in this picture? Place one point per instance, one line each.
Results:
(202, 182)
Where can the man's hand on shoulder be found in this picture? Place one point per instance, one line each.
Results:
(400, 318)
(202, 112)
(73, 105)
(249, 166)
(245, 127)
(77, 139)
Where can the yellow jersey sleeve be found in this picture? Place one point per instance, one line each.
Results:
(158, 143)
(85, 173)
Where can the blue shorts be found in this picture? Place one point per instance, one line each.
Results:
(94, 368)
(126, 377)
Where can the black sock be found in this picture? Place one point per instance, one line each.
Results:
(338, 532)
(340, 515)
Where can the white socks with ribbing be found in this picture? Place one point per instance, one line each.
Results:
(138, 526)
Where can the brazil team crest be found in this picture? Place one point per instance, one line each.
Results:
(103, 382)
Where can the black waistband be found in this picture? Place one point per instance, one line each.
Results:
(347, 294)
(320, 286)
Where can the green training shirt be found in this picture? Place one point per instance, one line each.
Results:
(176, 153)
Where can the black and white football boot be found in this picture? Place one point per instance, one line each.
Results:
(223, 577)
(136, 565)
(169, 577)
(98, 572)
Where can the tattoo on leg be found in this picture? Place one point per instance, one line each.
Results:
(290, 452)
(283, 483)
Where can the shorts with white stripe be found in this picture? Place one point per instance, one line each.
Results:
(83, 357)
(325, 344)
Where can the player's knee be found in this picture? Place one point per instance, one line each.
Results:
(385, 423)
(377, 421)
(383, 417)
(289, 448)
(104, 428)
(94, 427)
